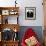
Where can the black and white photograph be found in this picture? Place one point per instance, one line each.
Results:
(30, 13)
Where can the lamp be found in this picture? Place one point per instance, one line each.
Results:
(15, 3)
(15, 30)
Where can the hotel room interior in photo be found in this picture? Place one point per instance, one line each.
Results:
(23, 23)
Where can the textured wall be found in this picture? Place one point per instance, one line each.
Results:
(39, 12)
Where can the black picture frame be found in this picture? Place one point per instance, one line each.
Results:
(30, 13)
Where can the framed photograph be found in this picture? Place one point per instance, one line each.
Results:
(30, 13)
(5, 12)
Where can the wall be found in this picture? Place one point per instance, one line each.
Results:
(39, 12)
(27, 3)
(7, 3)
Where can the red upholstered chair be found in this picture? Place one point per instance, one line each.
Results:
(28, 34)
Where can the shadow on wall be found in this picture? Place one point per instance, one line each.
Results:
(37, 29)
